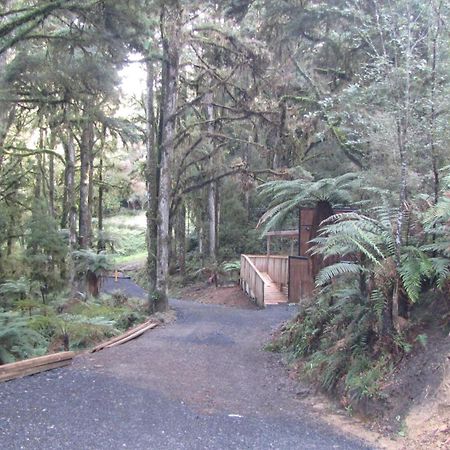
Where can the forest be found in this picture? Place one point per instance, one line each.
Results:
(246, 111)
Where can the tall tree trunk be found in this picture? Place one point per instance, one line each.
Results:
(212, 222)
(69, 217)
(170, 32)
(433, 115)
(51, 176)
(403, 144)
(200, 226)
(101, 240)
(39, 180)
(180, 238)
(84, 217)
(91, 187)
(7, 109)
(212, 187)
(152, 185)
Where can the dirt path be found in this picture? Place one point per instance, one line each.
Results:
(203, 382)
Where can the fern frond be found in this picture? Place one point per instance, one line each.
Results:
(414, 267)
(341, 268)
(441, 269)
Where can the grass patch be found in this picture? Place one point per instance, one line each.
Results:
(126, 236)
(130, 259)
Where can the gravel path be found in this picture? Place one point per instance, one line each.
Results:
(123, 285)
(203, 382)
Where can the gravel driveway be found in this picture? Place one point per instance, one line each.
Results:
(203, 382)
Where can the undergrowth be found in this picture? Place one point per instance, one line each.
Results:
(32, 328)
(336, 344)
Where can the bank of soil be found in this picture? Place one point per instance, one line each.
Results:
(415, 413)
(418, 396)
(210, 294)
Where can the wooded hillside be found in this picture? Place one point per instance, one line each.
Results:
(251, 108)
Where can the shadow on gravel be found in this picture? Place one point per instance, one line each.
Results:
(84, 409)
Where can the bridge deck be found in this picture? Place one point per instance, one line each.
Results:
(272, 293)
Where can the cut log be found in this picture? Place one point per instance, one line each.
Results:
(35, 362)
(34, 370)
(122, 336)
(35, 365)
(133, 336)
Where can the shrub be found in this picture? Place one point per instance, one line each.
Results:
(17, 339)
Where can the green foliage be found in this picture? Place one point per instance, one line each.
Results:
(340, 337)
(28, 306)
(286, 196)
(231, 266)
(422, 339)
(46, 247)
(334, 336)
(90, 261)
(236, 231)
(83, 332)
(373, 239)
(363, 378)
(14, 289)
(47, 326)
(17, 339)
(35, 327)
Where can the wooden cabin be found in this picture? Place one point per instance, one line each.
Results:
(276, 279)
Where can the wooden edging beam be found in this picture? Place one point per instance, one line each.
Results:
(124, 337)
(133, 335)
(35, 365)
(48, 362)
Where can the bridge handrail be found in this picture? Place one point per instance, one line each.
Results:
(252, 280)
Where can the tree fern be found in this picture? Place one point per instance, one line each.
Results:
(341, 268)
(15, 289)
(414, 267)
(87, 260)
(284, 196)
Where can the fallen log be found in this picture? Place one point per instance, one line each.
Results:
(35, 365)
(122, 336)
(132, 336)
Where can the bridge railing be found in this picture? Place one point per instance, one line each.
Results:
(254, 266)
(277, 267)
(251, 280)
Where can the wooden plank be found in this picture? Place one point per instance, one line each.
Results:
(121, 336)
(33, 370)
(35, 362)
(251, 280)
(133, 336)
(283, 233)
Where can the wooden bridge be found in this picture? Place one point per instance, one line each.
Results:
(265, 278)
(273, 280)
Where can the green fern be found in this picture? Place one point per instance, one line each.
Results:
(329, 273)
(414, 268)
(89, 261)
(373, 238)
(15, 289)
(17, 340)
(285, 196)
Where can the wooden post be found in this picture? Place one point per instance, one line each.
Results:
(299, 231)
(268, 245)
